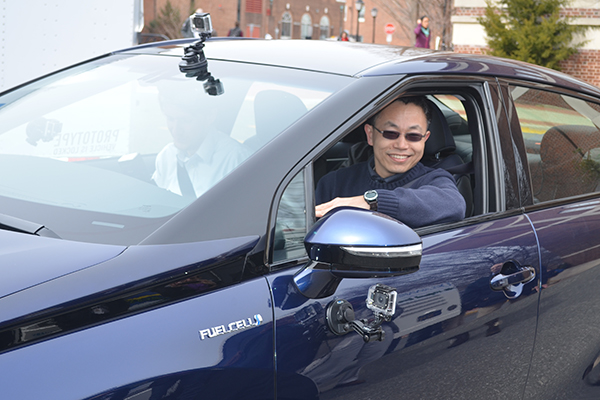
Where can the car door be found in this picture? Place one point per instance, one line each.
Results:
(560, 134)
(451, 335)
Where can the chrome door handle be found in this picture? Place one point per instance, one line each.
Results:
(524, 275)
(511, 279)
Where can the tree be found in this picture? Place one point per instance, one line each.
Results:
(168, 22)
(531, 31)
(406, 12)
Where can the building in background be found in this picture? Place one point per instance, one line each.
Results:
(453, 24)
(312, 19)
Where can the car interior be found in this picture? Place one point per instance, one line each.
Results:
(559, 166)
(562, 142)
(449, 147)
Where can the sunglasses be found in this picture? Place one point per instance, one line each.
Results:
(393, 135)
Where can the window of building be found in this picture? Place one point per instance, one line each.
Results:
(286, 26)
(254, 6)
(306, 27)
(324, 27)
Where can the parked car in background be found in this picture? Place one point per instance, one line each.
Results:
(116, 285)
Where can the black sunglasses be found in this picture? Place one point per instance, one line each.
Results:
(393, 135)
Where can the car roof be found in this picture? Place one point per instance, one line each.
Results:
(326, 56)
(363, 59)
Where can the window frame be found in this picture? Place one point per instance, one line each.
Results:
(288, 21)
(481, 126)
(306, 29)
(324, 29)
(515, 122)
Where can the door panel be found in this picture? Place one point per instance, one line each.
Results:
(450, 337)
(567, 350)
(561, 138)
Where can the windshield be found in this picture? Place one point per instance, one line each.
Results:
(107, 151)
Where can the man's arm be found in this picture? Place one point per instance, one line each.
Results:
(327, 195)
(357, 201)
(433, 200)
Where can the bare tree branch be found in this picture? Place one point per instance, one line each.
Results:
(406, 12)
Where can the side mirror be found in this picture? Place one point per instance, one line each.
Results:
(356, 243)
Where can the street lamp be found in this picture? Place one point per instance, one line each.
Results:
(374, 15)
(359, 6)
(341, 19)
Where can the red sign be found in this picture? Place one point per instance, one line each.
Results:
(390, 28)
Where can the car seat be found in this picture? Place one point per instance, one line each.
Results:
(274, 111)
(570, 162)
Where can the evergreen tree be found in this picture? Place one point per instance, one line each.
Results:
(531, 30)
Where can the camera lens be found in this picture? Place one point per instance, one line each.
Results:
(380, 300)
(199, 23)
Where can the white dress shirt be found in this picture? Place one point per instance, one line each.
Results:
(218, 155)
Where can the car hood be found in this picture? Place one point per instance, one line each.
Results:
(28, 260)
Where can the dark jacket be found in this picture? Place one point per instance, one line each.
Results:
(430, 198)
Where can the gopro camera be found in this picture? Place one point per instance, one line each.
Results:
(381, 299)
(201, 24)
(213, 87)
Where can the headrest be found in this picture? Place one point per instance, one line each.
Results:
(565, 143)
(441, 139)
(275, 110)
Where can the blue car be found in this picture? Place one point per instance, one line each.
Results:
(124, 279)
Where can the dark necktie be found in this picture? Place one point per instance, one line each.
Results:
(185, 184)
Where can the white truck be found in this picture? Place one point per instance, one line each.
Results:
(39, 36)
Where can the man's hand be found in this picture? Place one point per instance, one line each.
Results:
(357, 201)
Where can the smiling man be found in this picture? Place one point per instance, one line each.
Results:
(393, 181)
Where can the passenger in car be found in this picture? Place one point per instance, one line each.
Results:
(393, 181)
(199, 155)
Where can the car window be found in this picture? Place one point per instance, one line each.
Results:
(562, 141)
(133, 137)
(449, 147)
(290, 228)
(456, 116)
(452, 103)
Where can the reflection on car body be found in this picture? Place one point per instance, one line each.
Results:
(241, 292)
(424, 307)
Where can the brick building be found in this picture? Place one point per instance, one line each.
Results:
(310, 19)
(307, 19)
(469, 36)
(325, 19)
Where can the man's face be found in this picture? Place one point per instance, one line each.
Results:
(186, 130)
(397, 156)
